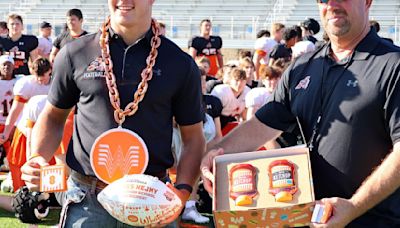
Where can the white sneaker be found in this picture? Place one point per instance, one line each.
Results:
(191, 213)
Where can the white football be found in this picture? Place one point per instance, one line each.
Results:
(139, 200)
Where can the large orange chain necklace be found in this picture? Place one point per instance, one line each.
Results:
(147, 73)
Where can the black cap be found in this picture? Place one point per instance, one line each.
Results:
(45, 24)
(311, 24)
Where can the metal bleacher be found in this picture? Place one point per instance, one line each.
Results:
(236, 21)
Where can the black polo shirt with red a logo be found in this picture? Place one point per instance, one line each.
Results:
(359, 100)
(174, 90)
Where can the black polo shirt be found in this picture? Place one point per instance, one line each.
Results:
(174, 90)
(280, 51)
(359, 101)
(20, 50)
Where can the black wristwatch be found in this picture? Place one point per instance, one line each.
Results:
(184, 186)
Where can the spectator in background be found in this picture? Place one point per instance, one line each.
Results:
(162, 27)
(212, 133)
(257, 97)
(301, 46)
(74, 24)
(375, 25)
(204, 63)
(310, 27)
(264, 46)
(19, 46)
(284, 50)
(7, 82)
(263, 33)
(243, 54)
(247, 65)
(45, 42)
(232, 96)
(24, 89)
(207, 45)
(223, 77)
(213, 107)
(3, 29)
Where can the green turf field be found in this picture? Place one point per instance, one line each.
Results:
(7, 220)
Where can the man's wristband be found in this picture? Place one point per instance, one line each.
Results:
(184, 186)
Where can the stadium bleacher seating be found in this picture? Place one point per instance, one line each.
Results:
(237, 21)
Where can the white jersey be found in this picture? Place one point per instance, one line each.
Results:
(302, 47)
(257, 97)
(27, 87)
(45, 45)
(6, 98)
(231, 105)
(265, 45)
(31, 111)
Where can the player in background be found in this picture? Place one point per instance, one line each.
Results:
(264, 46)
(19, 46)
(207, 45)
(163, 28)
(45, 42)
(3, 29)
(75, 30)
(31, 114)
(24, 89)
(7, 82)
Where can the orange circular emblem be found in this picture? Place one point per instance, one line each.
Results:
(116, 153)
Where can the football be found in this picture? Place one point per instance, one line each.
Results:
(139, 200)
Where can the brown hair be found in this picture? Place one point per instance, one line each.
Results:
(40, 66)
(237, 74)
(75, 12)
(15, 16)
(3, 24)
(275, 27)
(246, 60)
(161, 24)
(270, 72)
(205, 20)
(244, 53)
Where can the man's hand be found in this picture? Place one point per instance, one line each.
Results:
(343, 212)
(183, 196)
(206, 168)
(31, 172)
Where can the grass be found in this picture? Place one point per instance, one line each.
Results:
(8, 220)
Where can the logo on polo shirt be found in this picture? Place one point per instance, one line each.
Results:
(303, 84)
(157, 72)
(95, 69)
(352, 83)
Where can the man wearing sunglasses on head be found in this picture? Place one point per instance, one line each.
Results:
(345, 95)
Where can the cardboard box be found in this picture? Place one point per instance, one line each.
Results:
(265, 211)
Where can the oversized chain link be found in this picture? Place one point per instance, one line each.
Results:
(147, 73)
